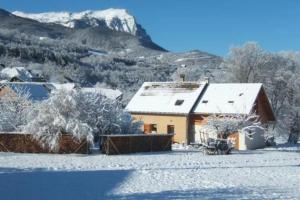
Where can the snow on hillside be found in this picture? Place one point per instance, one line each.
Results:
(182, 174)
(116, 19)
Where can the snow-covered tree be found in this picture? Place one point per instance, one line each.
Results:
(294, 134)
(83, 115)
(55, 116)
(244, 62)
(14, 107)
(279, 72)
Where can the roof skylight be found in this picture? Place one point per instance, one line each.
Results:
(179, 102)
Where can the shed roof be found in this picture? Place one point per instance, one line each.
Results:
(165, 97)
(228, 98)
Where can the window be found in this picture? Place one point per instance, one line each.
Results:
(153, 128)
(150, 128)
(171, 129)
(179, 102)
(147, 128)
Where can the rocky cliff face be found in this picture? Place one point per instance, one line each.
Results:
(114, 19)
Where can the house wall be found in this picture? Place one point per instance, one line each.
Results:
(162, 121)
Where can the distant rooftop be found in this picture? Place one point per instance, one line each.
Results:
(16, 72)
(109, 93)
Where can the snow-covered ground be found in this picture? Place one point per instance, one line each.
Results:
(272, 173)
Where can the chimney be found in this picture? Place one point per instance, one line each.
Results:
(182, 77)
(206, 79)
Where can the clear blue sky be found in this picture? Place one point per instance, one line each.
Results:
(209, 25)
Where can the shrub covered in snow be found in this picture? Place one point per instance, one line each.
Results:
(84, 115)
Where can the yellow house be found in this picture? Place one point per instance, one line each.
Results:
(181, 108)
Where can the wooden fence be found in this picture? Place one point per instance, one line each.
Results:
(24, 143)
(124, 144)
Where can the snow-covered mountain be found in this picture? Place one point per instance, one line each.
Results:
(115, 19)
(110, 54)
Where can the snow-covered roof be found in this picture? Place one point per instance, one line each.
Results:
(228, 98)
(37, 91)
(109, 93)
(64, 86)
(18, 72)
(166, 97)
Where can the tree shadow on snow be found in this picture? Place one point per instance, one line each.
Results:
(223, 167)
(285, 147)
(209, 194)
(40, 184)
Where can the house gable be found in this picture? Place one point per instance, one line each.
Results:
(262, 107)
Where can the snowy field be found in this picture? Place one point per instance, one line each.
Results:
(272, 173)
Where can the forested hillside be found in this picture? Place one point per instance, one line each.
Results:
(93, 55)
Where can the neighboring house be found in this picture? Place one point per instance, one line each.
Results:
(183, 107)
(19, 74)
(37, 91)
(40, 91)
(109, 93)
